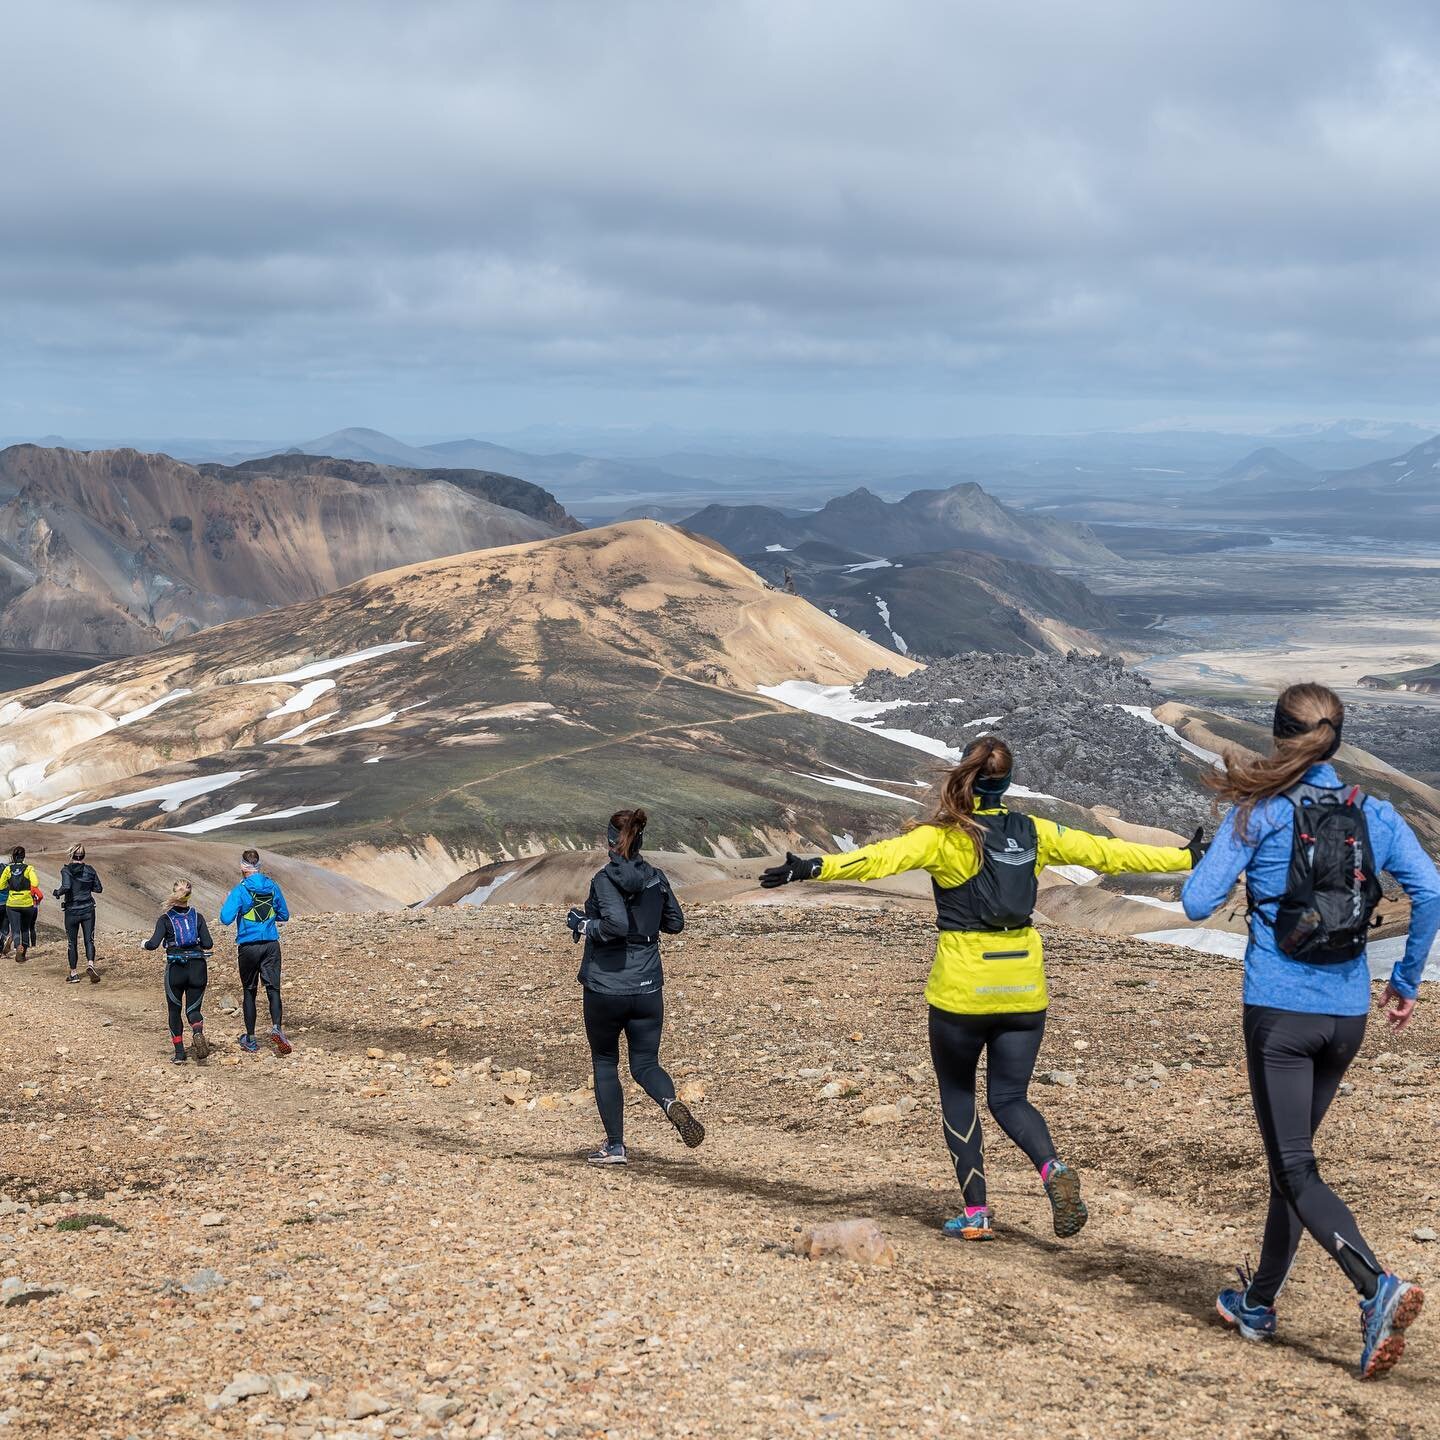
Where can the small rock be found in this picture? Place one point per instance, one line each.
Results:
(245, 1385)
(861, 1240)
(441, 1080)
(1346, 1088)
(1424, 1233)
(202, 1282)
(438, 1408)
(692, 1092)
(1157, 1071)
(811, 1073)
(291, 1389)
(515, 1077)
(881, 1115)
(835, 1089)
(212, 1218)
(363, 1404)
(1066, 1078)
(906, 1103)
(374, 1054)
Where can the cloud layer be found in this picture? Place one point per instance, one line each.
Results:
(257, 215)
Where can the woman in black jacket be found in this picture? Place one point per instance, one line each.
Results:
(182, 930)
(630, 906)
(79, 885)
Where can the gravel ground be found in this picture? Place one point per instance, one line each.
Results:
(390, 1232)
(1061, 716)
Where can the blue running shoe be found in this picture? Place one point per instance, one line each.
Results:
(248, 1045)
(1384, 1319)
(969, 1227)
(1254, 1322)
(612, 1152)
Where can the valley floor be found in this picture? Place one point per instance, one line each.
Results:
(399, 1244)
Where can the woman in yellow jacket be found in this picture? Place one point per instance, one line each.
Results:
(987, 986)
(21, 884)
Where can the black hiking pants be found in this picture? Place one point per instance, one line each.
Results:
(1010, 1044)
(1296, 1063)
(80, 923)
(640, 1018)
(184, 992)
(260, 962)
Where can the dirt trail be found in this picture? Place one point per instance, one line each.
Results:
(395, 1232)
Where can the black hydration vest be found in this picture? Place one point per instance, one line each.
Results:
(1332, 889)
(1001, 894)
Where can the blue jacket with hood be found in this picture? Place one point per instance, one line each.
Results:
(242, 898)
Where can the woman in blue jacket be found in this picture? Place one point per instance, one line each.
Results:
(1311, 849)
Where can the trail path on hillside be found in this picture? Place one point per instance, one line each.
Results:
(395, 1233)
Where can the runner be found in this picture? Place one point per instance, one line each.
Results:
(987, 990)
(21, 884)
(182, 930)
(256, 907)
(79, 885)
(629, 907)
(1307, 989)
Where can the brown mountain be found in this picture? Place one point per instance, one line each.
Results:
(113, 551)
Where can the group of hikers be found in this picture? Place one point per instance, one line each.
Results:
(1311, 849)
(256, 907)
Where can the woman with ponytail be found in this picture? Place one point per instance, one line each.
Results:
(629, 907)
(987, 985)
(1311, 849)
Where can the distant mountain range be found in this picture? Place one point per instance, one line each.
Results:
(112, 552)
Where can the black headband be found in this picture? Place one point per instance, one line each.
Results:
(613, 835)
(1288, 726)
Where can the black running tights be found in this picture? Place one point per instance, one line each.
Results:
(80, 923)
(640, 1018)
(1296, 1063)
(1011, 1044)
(184, 995)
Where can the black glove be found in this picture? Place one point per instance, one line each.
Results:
(796, 867)
(579, 922)
(1197, 845)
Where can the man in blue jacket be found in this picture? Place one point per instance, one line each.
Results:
(257, 908)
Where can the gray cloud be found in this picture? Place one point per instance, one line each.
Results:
(446, 216)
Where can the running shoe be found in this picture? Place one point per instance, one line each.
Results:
(1254, 1322)
(178, 1058)
(612, 1152)
(92, 974)
(1384, 1318)
(20, 956)
(281, 1044)
(969, 1227)
(679, 1114)
(1062, 1185)
(199, 1044)
(73, 978)
(248, 1045)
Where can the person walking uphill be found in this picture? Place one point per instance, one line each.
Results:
(1311, 849)
(182, 930)
(257, 908)
(79, 885)
(987, 990)
(629, 907)
(20, 883)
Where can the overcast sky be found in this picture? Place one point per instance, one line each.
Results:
(271, 218)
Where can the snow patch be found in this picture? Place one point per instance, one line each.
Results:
(303, 726)
(870, 565)
(131, 716)
(41, 811)
(983, 720)
(1076, 874)
(845, 842)
(481, 893)
(1207, 942)
(325, 667)
(1142, 713)
(243, 814)
(777, 549)
(884, 610)
(170, 797)
(302, 699)
(1174, 906)
(840, 782)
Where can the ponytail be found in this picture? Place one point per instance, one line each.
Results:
(1308, 721)
(627, 829)
(987, 759)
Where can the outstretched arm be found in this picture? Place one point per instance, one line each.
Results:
(1060, 845)
(158, 938)
(1214, 877)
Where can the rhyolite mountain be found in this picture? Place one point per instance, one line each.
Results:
(114, 551)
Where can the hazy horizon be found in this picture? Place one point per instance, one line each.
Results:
(269, 220)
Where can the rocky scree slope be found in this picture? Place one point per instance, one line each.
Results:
(112, 551)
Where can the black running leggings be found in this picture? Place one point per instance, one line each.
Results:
(260, 964)
(184, 994)
(641, 1018)
(1296, 1063)
(1011, 1043)
(78, 923)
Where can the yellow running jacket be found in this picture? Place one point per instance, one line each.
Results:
(992, 972)
(20, 899)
